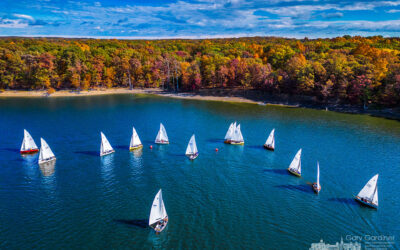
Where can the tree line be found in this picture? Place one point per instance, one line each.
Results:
(356, 70)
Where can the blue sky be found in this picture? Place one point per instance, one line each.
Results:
(198, 18)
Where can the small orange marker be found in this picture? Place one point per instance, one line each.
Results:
(151, 146)
(216, 149)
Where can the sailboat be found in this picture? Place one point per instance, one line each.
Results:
(237, 138)
(369, 194)
(28, 144)
(234, 135)
(158, 215)
(45, 155)
(270, 143)
(191, 150)
(162, 137)
(105, 146)
(135, 140)
(229, 133)
(295, 166)
(316, 186)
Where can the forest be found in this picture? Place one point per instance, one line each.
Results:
(351, 70)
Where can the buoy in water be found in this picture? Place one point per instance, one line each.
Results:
(216, 149)
(151, 146)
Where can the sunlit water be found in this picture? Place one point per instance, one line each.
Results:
(238, 197)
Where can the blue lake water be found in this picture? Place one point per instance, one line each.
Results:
(238, 197)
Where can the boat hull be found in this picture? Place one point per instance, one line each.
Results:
(234, 142)
(269, 147)
(160, 229)
(162, 142)
(30, 151)
(293, 172)
(237, 143)
(371, 205)
(315, 188)
(193, 156)
(47, 160)
(107, 153)
(136, 147)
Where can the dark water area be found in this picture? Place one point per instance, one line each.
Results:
(238, 197)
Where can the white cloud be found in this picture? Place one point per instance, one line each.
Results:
(12, 23)
(392, 11)
(23, 16)
(210, 18)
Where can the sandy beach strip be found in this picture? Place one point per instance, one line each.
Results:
(71, 93)
(206, 97)
(112, 91)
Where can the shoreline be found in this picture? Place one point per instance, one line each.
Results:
(225, 96)
(75, 93)
(114, 91)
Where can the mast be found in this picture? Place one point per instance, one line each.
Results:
(318, 174)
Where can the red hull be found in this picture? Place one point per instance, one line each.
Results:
(31, 151)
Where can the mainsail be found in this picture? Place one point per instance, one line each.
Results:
(271, 139)
(135, 140)
(191, 147)
(162, 134)
(318, 186)
(296, 163)
(237, 135)
(370, 190)
(28, 143)
(45, 152)
(105, 146)
(231, 131)
(158, 211)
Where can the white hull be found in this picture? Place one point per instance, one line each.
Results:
(162, 142)
(47, 160)
(192, 156)
(162, 226)
(107, 153)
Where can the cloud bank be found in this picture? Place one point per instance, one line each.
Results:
(199, 18)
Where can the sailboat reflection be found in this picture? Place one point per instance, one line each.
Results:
(138, 153)
(107, 168)
(48, 168)
(107, 160)
(136, 163)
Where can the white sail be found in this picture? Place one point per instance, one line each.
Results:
(135, 140)
(271, 139)
(45, 152)
(370, 190)
(296, 163)
(375, 199)
(162, 134)
(228, 134)
(240, 136)
(158, 211)
(105, 146)
(318, 186)
(28, 143)
(191, 147)
(237, 135)
(231, 131)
